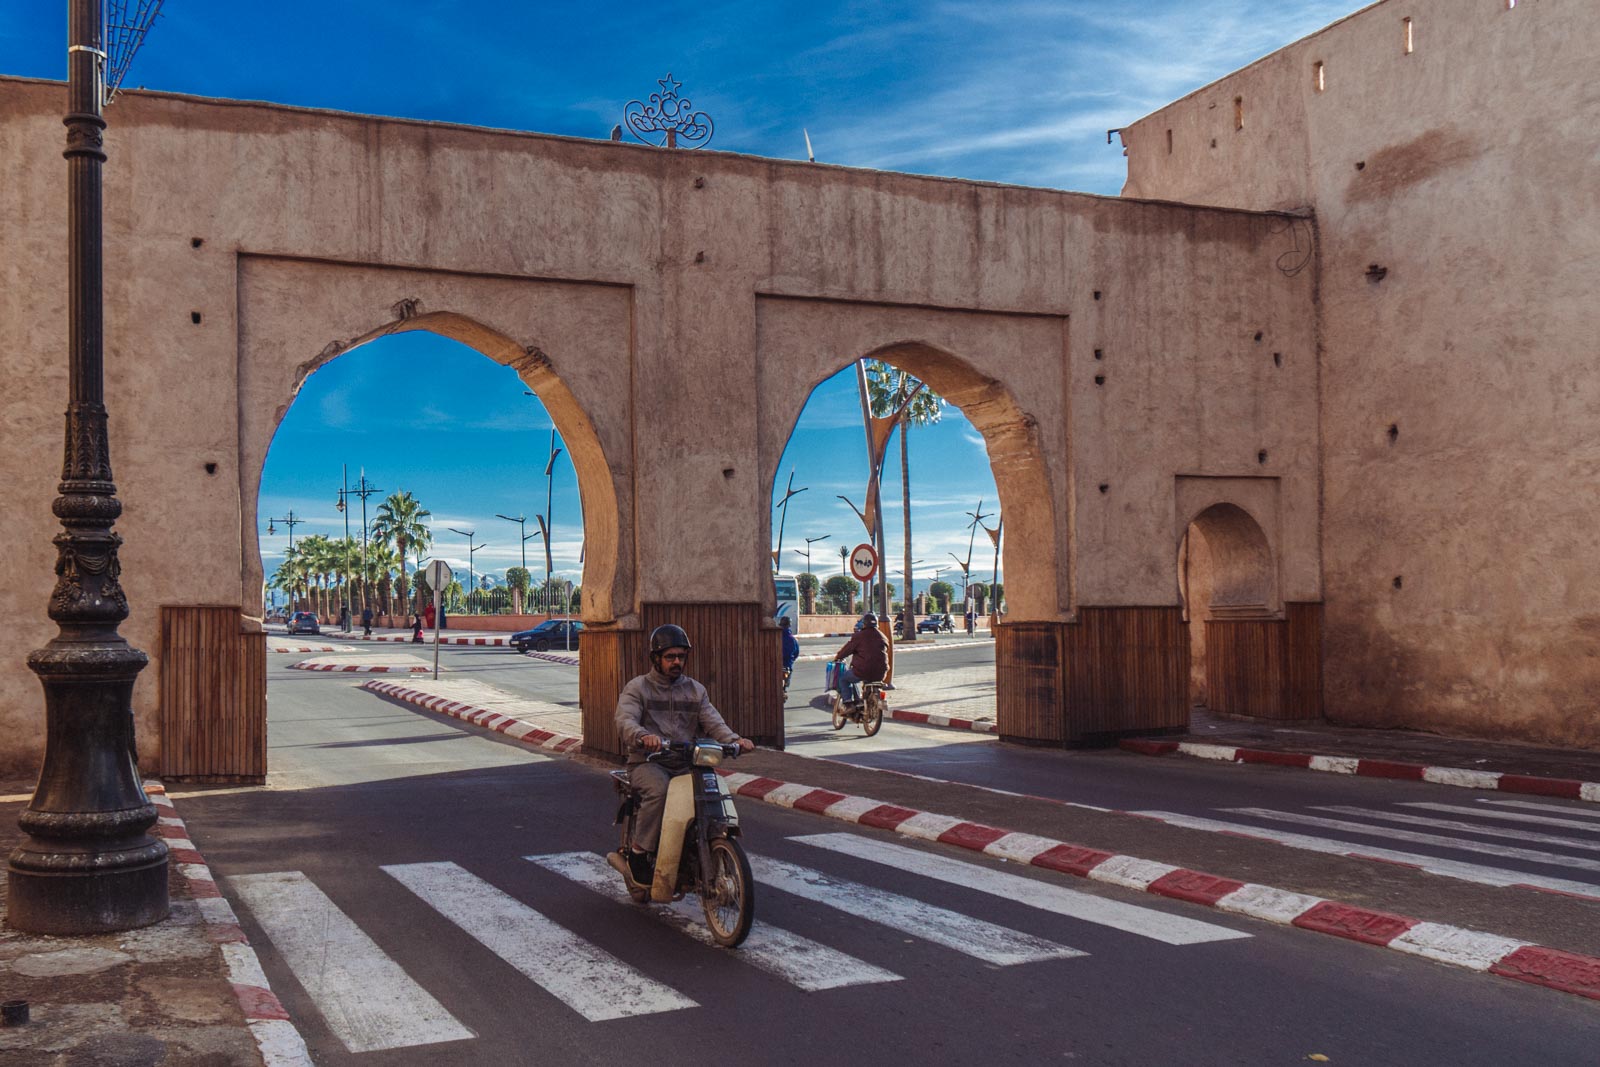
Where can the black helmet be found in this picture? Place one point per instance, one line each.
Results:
(668, 636)
(869, 619)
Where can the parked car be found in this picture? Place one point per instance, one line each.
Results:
(936, 624)
(552, 633)
(304, 622)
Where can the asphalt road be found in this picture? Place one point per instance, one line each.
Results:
(383, 877)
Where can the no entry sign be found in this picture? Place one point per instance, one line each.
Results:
(863, 562)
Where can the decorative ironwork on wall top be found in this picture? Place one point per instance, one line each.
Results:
(668, 120)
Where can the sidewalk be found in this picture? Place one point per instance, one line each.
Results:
(1474, 764)
(184, 991)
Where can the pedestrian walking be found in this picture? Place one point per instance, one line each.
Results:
(366, 621)
(427, 616)
(972, 620)
(444, 623)
(344, 617)
(416, 627)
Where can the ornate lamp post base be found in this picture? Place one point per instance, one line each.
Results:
(89, 864)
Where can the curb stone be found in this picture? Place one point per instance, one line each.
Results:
(275, 1035)
(953, 722)
(1564, 788)
(515, 729)
(359, 668)
(1475, 950)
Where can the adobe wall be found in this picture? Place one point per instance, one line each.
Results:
(1457, 388)
(673, 310)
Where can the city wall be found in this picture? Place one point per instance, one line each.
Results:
(1447, 150)
(673, 309)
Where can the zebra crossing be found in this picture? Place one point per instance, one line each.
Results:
(368, 1001)
(1440, 838)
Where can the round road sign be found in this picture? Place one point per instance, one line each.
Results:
(863, 562)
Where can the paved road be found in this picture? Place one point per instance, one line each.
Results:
(385, 876)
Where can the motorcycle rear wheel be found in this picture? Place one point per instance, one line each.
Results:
(872, 715)
(728, 895)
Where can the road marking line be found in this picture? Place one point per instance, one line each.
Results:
(1511, 816)
(963, 933)
(1472, 828)
(1437, 840)
(1534, 805)
(367, 1000)
(1046, 896)
(586, 978)
(798, 960)
(1466, 872)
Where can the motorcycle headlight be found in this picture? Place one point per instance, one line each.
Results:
(707, 754)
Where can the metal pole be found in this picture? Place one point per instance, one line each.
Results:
(344, 506)
(88, 863)
(364, 572)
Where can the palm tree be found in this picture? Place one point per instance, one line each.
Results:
(887, 390)
(293, 577)
(399, 523)
(382, 561)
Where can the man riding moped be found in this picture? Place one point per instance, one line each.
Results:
(868, 650)
(660, 706)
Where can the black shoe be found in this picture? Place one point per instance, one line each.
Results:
(642, 865)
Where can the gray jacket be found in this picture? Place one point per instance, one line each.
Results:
(674, 711)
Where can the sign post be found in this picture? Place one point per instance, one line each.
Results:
(863, 565)
(438, 577)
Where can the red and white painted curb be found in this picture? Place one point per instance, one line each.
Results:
(309, 648)
(1566, 788)
(553, 657)
(492, 642)
(952, 721)
(1475, 950)
(360, 668)
(812, 657)
(280, 1043)
(515, 729)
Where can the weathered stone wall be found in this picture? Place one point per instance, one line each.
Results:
(1459, 380)
(673, 310)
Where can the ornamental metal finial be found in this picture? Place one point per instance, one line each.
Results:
(668, 119)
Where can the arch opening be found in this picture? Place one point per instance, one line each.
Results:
(977, 488)
(1227, 582)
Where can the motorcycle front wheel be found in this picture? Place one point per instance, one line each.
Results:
(838, 714)
(729, 893)
(872, 717)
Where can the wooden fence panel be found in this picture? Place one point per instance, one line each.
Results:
(1028, 696)
(213, 696)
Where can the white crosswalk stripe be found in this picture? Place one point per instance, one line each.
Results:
(1467, 827)
(1466, 872)
(1129, 918)
(798, 960)
(963, 933)
(1548, 809)
(586, 978)
(1504, 851)
(367, 1000)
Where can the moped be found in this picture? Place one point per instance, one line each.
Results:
(699, 851)
(867, 710)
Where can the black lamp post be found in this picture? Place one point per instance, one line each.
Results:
(88, 863)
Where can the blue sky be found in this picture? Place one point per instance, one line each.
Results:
(1018, 91)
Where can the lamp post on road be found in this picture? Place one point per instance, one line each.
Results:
(809, 542)
(522, 532)
(87, 863)
(363, 490)
(471, 552)
(288, 520)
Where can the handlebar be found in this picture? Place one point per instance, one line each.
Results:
(686, 748)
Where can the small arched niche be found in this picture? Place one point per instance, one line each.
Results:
(1226, 572)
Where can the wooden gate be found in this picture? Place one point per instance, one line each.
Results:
(213, 696)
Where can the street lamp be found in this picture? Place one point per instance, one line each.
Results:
(783, 508)
(471, 552)
(809, 542)
(522, 527)
(547, 521)
(88, 863)
(288, 520)
(363, 490)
